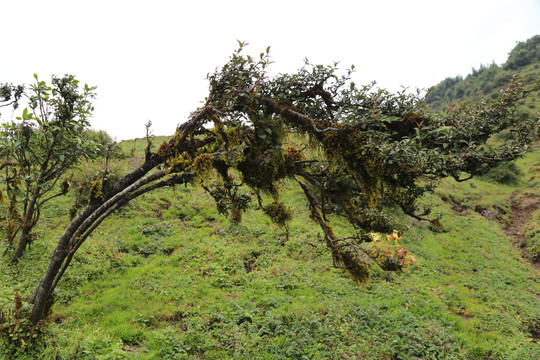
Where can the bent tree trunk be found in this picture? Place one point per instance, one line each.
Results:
(43, 291)
(131, 186)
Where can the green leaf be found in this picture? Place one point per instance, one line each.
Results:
(442, 128)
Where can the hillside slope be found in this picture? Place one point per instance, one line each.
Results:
(170, 278)
(487, 80)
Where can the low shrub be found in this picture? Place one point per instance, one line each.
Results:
(19, 337)
(504, 173)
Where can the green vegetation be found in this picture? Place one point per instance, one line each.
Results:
(38, 149)
(167, 276)
(488, 80)
(362, 153)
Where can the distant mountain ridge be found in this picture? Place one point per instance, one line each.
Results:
(485, 82)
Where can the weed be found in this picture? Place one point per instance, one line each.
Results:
(19, 337)
(505, 173)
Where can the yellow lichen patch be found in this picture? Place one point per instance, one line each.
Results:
(180, 162)
(164, 149)
(202, 164)
(293, 154)
(96, 189)
(235, 136)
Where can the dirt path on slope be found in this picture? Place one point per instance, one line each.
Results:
(521, 211)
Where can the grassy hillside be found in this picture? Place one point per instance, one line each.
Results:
(485, 82)
(169, 278)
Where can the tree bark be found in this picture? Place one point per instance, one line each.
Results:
(26, 226)
(28, 221)
(22, 244)
(84, 224)
(41, 295)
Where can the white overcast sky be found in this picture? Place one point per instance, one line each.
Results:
(149, 59)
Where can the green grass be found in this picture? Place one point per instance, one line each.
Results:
(169, 278)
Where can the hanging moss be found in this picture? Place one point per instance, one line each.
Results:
(202, 164)
(96, 189)
(350, 260)
(180, 162)
(279, 214)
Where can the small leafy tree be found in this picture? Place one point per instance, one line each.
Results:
(374, 149)
(39, 147)
(10, 95)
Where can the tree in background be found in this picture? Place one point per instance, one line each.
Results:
(10, 95)
(39, 147)
(374, 149)
(524, 53)
(487, 80)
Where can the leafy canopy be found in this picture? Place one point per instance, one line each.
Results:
(40, 146)
(368, 148)
(365, 150)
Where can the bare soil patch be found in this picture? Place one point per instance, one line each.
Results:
(521, 211)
